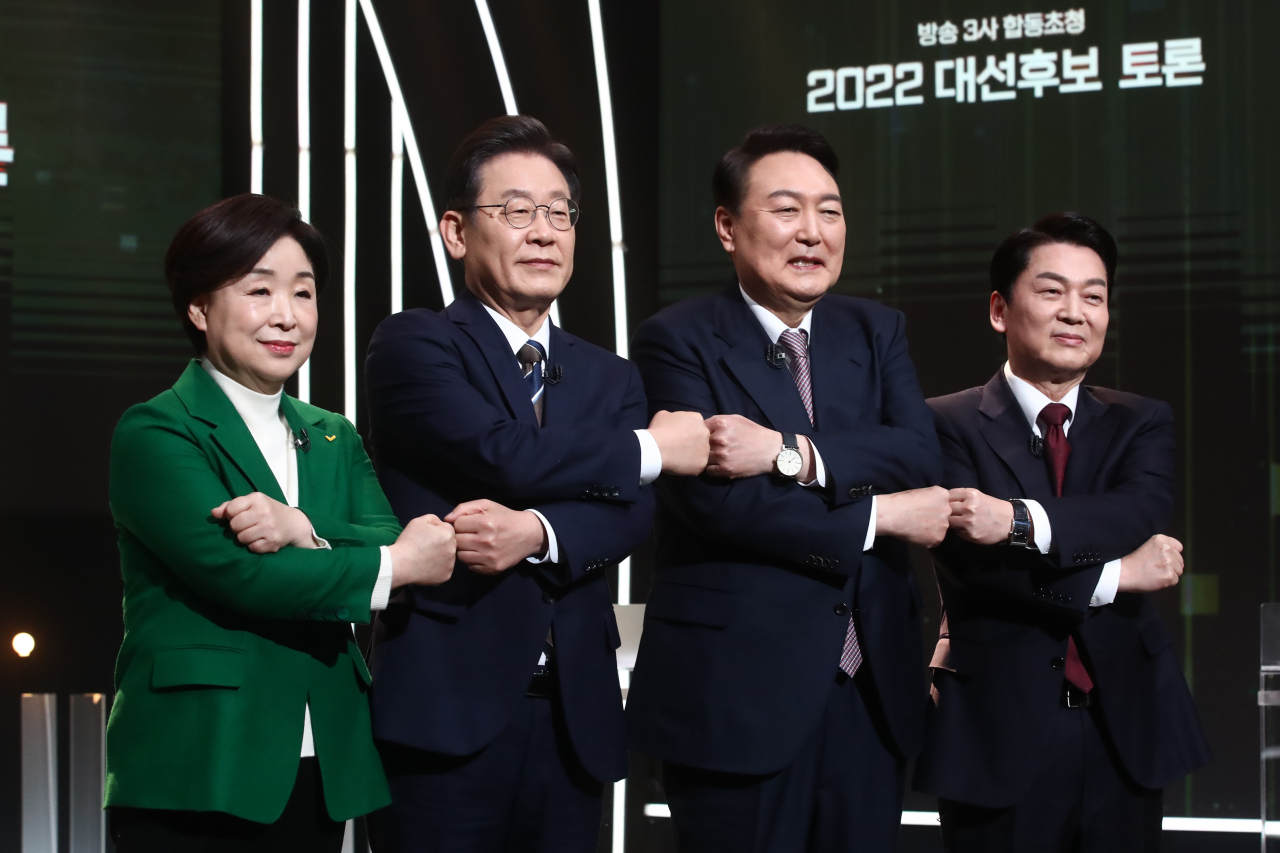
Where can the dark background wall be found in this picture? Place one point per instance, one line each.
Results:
(128, 117)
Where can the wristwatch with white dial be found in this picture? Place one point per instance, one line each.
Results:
(789, 461)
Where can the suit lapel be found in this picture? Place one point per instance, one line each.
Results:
(467, 312)
(561, 401)
(1006, 430)
(318, 464)
(205, 400)
(1090, 435)
(772, 388)
(838, 358)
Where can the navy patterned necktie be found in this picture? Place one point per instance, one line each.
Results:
(532, 356)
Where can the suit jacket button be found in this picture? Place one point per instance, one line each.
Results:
(841, 609)
(342, 613)
(1056, 663)
(614, 492)
(548, 598)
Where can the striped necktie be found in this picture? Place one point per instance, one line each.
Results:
(797, 344)
(532, 356)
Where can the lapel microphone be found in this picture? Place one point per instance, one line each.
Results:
(554, 375)
(1036, 446)
(775, 356)
(303, 442)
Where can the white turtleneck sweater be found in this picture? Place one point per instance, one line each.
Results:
(266, 422)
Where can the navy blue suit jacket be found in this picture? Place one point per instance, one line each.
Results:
(756, 577)
(451, 421)
(1010, 610)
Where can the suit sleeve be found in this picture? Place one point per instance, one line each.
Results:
(763, 514)
(371, 520)
(902, 451)
(1137, 501)
(594, 534)
(163, 488)
(1137, 504)
(429, 414)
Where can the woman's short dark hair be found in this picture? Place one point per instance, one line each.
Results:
(223, 243)
(729, 181)
(1013, 256)
(498, 136)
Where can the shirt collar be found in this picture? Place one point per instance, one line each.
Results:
(1032, 401)
(773, 327)
(516, 336)
(253, 406)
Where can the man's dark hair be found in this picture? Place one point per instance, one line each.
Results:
(729, 181)
(1013, 256)
(223, 243)
(498, 136)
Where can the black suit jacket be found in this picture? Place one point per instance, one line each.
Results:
(1010, 610)
(756, 577)
(451, 421)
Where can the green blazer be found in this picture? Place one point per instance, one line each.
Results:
(223, 648)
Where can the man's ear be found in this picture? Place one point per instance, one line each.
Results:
(999, 312)
(196, 313)
(453, 231)
(724, 228)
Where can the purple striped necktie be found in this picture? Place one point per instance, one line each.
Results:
(797, 346)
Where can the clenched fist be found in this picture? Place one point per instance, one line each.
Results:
(1155, 565)
(682, 438)
(493, 538)
(423, 554)
(980, 518)
(740, 447)
(265, 525)
(920, 516)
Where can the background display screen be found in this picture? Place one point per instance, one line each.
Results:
(957, 124)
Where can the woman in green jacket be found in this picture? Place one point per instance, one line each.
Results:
(252, 532)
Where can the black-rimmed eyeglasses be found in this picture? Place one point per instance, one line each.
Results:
(562, 213)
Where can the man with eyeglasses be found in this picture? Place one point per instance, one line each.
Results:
(496, 705)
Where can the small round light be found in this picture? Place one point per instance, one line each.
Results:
(23, 644)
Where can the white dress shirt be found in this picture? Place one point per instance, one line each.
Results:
(774, 327)
(1032, 402)
(266, 422)
(650, 455)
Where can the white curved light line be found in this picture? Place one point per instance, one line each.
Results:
(499, 64)
(397, 214)
(504, 83)
(411, 149)
(304, 151)
(255, 96)
(611, 181)
(349, 214)
(615, 228)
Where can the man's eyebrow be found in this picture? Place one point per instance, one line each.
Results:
(796, 194)
(1062, 279)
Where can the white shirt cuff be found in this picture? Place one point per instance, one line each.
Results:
(318, 543)
(871, 528)
(819, 480)
(1040, 526)
(382, 588)
(650, 459)
(1108, 585)
(553, 549)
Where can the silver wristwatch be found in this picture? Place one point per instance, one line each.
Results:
(1020, 527)
(789, 461)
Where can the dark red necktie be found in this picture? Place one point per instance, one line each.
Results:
(1056, 452)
